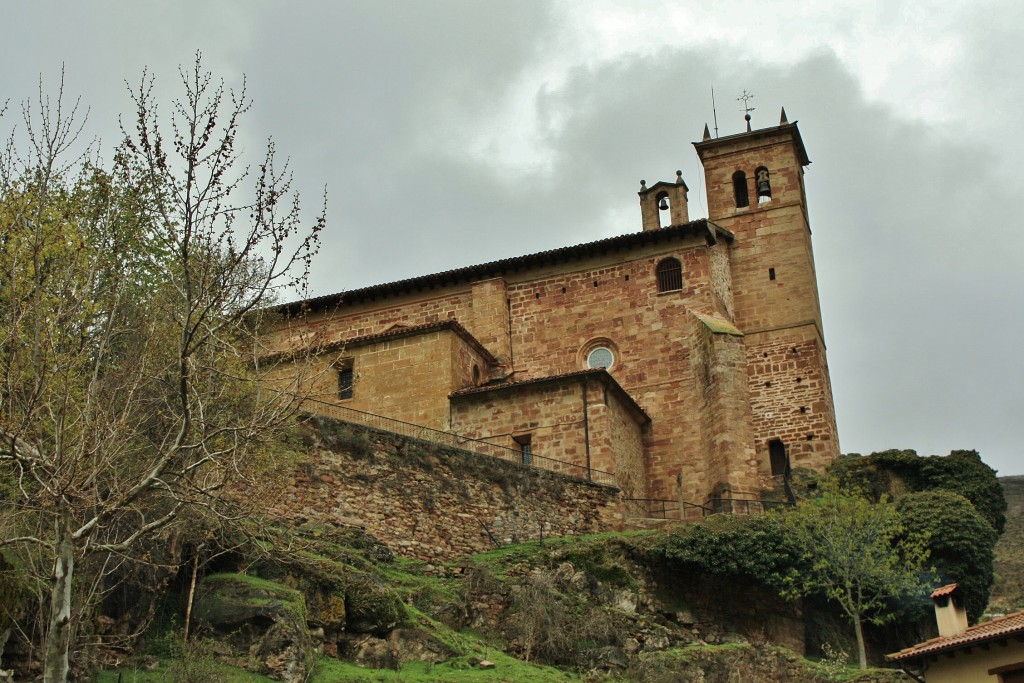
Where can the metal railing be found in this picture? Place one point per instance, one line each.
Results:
(743, 506)
(479, 446)
(663, 508)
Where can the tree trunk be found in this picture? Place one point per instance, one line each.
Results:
(862, 653)
(58, 634)
(191, 593)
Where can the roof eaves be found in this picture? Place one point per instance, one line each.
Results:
(399, 333)
(595, 373)
(1011, 625)
(701, 226)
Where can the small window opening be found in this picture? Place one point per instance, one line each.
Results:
(670, 275)
(771, 273)
(476, 374)
(595, 283)
(777, 457)
(803, 409)
(764, 186)
(810, 437)
(739, 188)
(799, 379)
(795, 350)
(627, 278)
(346, 379)
(537, 295)
(525, 448)
(767, 384)
(563, 290)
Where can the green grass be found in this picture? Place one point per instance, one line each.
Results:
(507, 670)
(161, 674)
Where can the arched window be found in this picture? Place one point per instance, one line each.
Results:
(670, 275)
(739, 188)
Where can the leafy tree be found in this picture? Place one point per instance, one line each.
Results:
(961, 542)
(133, 311)
(858, 554)
(961, 472)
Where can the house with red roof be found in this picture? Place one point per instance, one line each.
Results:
(989, 652)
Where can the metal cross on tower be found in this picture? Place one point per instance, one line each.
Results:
(745, 99)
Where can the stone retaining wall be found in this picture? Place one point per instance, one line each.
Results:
(436, 503)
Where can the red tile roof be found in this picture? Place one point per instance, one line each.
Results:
(1001, 627)
(944, 590)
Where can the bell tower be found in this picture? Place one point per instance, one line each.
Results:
(755, 189)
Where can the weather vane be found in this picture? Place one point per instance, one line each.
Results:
(745, 99)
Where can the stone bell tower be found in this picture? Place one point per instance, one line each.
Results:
(755, 189)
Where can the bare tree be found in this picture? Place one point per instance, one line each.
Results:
(134, 303)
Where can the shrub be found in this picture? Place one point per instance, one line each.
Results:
(961, 540)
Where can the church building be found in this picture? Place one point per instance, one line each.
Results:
(687, 353)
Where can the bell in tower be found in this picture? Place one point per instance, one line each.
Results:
(664, 196)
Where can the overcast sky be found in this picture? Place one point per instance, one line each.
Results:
(453, 133)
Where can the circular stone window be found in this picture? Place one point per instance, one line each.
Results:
(601, 357)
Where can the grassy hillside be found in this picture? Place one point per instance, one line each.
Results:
(1008, 591)
(569, 610)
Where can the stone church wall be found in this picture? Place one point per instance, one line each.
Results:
(436, 503)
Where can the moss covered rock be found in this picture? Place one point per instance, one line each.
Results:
(263, 622)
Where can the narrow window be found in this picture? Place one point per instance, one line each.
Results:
(739, 188)
(670, 275)
(525, 448)
(346, 379)
(777, 456)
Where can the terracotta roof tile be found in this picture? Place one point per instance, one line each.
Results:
(1001, 627)
(944, 590)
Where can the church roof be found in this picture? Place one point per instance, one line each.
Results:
(491, 269)
(400, 332)
(596, 373)
(1001, 627)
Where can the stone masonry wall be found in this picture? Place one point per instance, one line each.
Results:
(558, 315)
(436, 503)
(791, 401)
(551, 414)
(627, 443)
(408, 378)
(776, 295)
